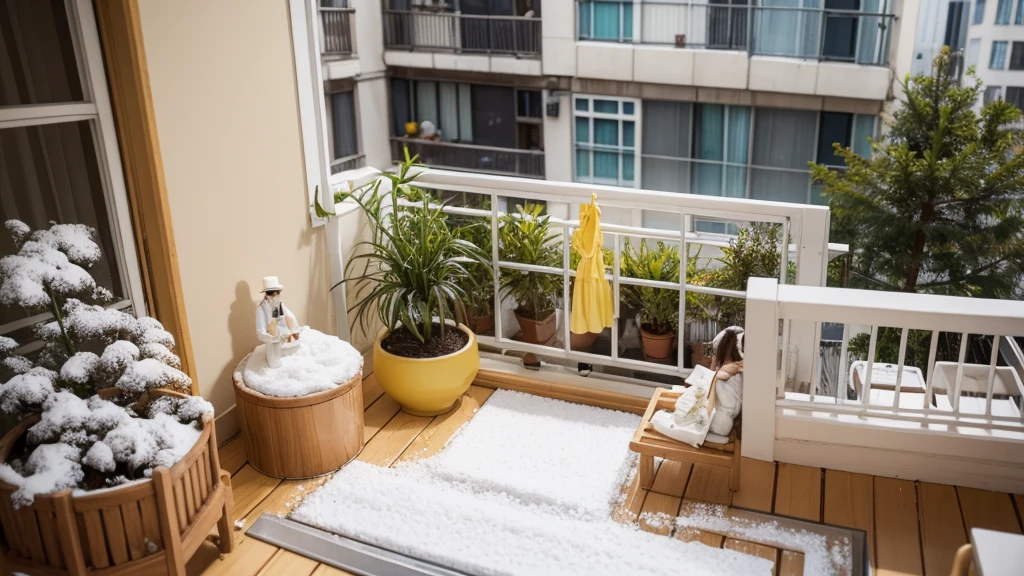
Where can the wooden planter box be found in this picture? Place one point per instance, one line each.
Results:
(109, 531)
(304, 436)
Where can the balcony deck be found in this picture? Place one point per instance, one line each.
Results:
(912, 527)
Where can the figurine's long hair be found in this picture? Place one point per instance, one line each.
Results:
(728, 347)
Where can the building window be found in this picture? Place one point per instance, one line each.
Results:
(1017, 56)
(439, 110)
(979, 11)
(721, 141)
(603, 20)
(1003, 11)
(973, 51)
(1015, 96)
(60, 160)
(784, 142)
(344, 132)
(992, 93)
(1018, 18)
(605, 136)
(997, 61)
(665, 150)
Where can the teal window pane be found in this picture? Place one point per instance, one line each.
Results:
(606, 106)
(863, 128)
(606, 132)
(710, 129)
(627, 21)
(739, 134)
(582, 104)
(707, 179)
(585, 19)
(735, 182)
(627, 108)
(710, 226)
(1003, 11)
(628, 129)
(606, 21)
(582, 164)
(628, 167)
(583, 130)
(606, 166)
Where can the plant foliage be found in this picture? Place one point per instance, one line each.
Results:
(526, 238)
(413, 269)
(657, 308)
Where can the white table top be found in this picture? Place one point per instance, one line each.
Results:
(997, 553)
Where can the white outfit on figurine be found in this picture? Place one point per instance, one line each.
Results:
(275, 323)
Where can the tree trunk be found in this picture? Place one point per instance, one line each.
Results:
(917, 250)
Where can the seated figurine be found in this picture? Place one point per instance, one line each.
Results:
(727, 359)
(275, 323)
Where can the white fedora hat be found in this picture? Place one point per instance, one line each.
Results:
(270, 283)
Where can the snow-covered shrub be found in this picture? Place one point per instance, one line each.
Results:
(82, 439)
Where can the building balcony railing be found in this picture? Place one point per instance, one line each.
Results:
(336, 31)
(814, 33)
(472, 157)
(430, 30)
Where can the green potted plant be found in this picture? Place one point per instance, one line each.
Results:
(409, 278)
(526, 239)
(657, 309)
(478, 285)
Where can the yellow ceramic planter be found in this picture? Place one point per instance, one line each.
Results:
(426, 386)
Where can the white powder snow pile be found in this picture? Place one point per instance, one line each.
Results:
(320, 363)
(489, 533)
(543, 451)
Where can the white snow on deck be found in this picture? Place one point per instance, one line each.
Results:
(527, 487)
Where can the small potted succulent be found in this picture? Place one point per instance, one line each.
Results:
(657, 309)
(410, 278)
(526, 238)
(103, 405)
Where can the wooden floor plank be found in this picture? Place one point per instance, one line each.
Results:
(232, 455)
(798, 492)
(709, 484)
(325, 570)
(248, 558)
(759, 550)
(249, 488)
(791, 563)
(388, 444)
(757, 485)
(694, 535)
(658, 513)
(896, 534)
(377, 415)
(850, 502)
(627, 510)
(290, 563)
(443, 427)
(942, 529)
(987, 509)
(371, 390)
(672, 478)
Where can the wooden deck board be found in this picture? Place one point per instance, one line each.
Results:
(942, 530)
(325, 570)
(987, 509)
(389, 443)
(672, 478)
(371, 390)
(798, 492)
(896, 535)
(377, 415)
(659, 513)
(709, 484)
(757, 485)
(850, 502)
(232, 455)
(791, 563)
(759, 550)
(286, 562)
(443, 427)
(250, 487)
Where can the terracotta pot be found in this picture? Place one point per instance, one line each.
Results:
(537, 331)
(480, 324)
(657, 346)
(583, 342)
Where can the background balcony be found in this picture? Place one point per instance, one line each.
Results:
(336, 31)
(860, 37)
(427, 30)
(472, 157)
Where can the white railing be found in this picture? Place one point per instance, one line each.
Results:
(935, 385)
(806, 226)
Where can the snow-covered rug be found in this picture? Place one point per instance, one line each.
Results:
(526, 487)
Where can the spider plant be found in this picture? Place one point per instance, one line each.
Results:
(525, 239)
(411, 273)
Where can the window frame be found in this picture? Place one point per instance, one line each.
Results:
(95, 109)
(1001, 6)
(979, 12)
(619, 117)
(1000, 48)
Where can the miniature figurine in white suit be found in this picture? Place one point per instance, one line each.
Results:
(275, 323)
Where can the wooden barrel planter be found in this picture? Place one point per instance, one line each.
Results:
(152, 526)
(304, 436)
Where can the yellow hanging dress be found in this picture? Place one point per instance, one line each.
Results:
(592, 309)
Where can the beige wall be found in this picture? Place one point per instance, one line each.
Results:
(223, 81)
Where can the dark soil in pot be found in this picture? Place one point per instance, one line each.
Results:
(402, 342)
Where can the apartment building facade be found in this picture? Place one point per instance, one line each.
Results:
(995, 47)
(718, 98)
